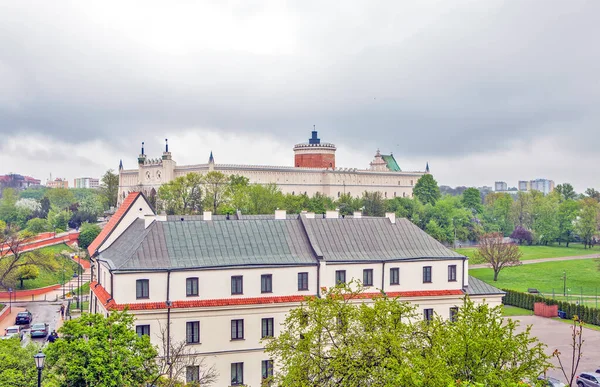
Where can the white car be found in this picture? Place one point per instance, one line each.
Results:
(12, 331)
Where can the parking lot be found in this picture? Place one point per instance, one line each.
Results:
(557, 335)
(42, 312)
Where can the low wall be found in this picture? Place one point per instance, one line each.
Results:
(47, 239)
(28, 293)
(5, 312)
(543, 310)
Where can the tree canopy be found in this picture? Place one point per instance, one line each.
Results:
(427, 190)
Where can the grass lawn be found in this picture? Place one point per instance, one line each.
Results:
(570, 322)
(536, 252)
(583, 277)
(508, 311)
(52, 277)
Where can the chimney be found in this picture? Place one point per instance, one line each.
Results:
(310, 215)
(391, 216)
(332, 214)
(280, 214)
(207, 215)
(357, 215)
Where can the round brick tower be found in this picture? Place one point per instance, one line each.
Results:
(314, 154)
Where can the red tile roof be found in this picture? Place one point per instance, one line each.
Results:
(105, 299)
(113, 222)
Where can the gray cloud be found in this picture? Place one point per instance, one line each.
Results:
(431, 79)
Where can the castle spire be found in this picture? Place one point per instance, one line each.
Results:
(166, 145)
(211, 159)
(427, 167)
(120, 165)
(142, 148)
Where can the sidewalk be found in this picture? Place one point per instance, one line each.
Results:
(541, 260)
(9, 320)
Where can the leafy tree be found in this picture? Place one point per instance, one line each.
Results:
(8, 208)
(59, 220)
(109, 187)
(217, 190)
(80, 217)
(27, 272)
(320, 203)
(544, 218)
(294, 204)
(44, 208)
(91, 204)
(263, 199)
(183, 195)
(566, 191)
(36, 193)
(427, 190)
(407, 208)
(592, 193)
(31, 205)
(567, 214)
(60, 198)
(347, 204)
(344, 339)
(471, 200)
(373, 204)
(87, 234)
(586, 225)
(13, 258)
(95, 350)
(239, 187)
(435, 231)
(522, 235)
(17, 367)
(497, 253)
(497, 213)
(37, 225)
(522, 209)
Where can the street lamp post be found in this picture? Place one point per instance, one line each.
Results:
(79, 282)
(39, 363)
(9, 300)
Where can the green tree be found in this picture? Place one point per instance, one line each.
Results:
(95, 350)
(522, 209)
(27, 272)
(497, 253)
(60, 198)
(592, 193)
(294, 204)
(183, 195)
(36, 193)
(217, 191)
(427, 190)
(567, 214)
(343, 339)
(239, 187)
(586, 224)
(435, 231)
(566, 191)
(13, 258)
(408, 208)
(92, 204)
(497, 213)
(17, 366)
(545, 218)
(348, 204)
(320, 203)
(471, 199)
(109, 188)
(264, 199)
(8, 208)
(87, 233)
(59, 220)
(373, 204)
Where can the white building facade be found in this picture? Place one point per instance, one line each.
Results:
(314, 170)
(86, 182)
(221, 285)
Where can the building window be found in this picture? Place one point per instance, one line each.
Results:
(237, 329)
(142, 330)
(142, 288)
(453, 313)
(428, 314)
(395, 276)
(426, 274)
(411, 182)
(237, 284)
(266, 283)
(394, 194)
(340, 277)
(302, 281)
(385, 194)
(403, 194)
(267, 328)
(267, 369)
(191, 286)
(192, 374)
(368, 277)
(237, 374)
(192, 332)
(338, 194)
(451, 273)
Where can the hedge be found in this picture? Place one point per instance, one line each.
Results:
(526, 301)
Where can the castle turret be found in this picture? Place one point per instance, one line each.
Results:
(142, 156)
(314, 154)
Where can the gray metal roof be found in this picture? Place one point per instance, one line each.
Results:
(256, 241)
(373, 239)
(479, 288)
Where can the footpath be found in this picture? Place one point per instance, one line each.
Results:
(540, 260)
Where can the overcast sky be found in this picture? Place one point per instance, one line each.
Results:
(483, 90)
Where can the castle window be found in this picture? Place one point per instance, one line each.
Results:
(338, 194)
(385, 194)
(394, 194)
(403, 194)
(399, 182)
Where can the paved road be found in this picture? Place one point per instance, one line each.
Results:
(541, 260)
(557, 335)
(46, 312)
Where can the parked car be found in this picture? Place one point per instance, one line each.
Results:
(23, 318)
(13, 331)
(588, 379)
(39, 330)
(552, 382)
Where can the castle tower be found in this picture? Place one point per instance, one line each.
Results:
(314, 154)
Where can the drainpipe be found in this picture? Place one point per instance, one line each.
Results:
(111, 284)
(463, 272)
(168, 303)
(319, 280)
(383, 278)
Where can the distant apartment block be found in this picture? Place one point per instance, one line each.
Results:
(500, 186)
(544, 186)
(86, 182)
(57, 183)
